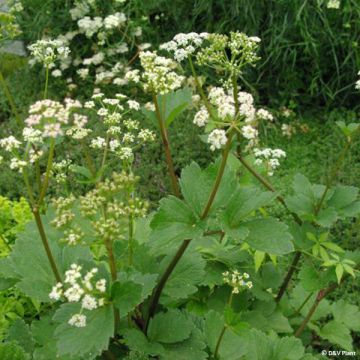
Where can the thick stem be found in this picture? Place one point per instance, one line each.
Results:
(288, 276)
(10, 99)
(159, 288)
(46, 81)
(46, 245)
(321, 295)
(165, 140)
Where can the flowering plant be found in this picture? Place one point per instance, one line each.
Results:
(115, 280)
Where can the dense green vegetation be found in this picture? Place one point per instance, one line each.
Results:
(155, 215)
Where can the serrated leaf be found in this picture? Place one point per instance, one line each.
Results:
(347, 314)
(136, 340)
(20, 332)
(36, 278)
(327, 217)
(310, 279)
(343, 196)
(12, 351)
(183, 281)
(302, 185)
(243, 203)
(337, 333)
(173, 222)
(196, 186)
(126, 295)
(88, 341)
(269, 235)
(339, 270)
(170, 327)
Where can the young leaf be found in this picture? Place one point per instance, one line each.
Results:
(339, 272)
(259, 257)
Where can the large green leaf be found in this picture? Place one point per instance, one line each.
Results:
(170, 327)
(173, 223)
(12, 351)
(88, 341)
(191, 348)
(347, 314)
(188, 273)
(20, 332)
(269, 235)
(137, 341)
(196, 186)
(30, 264)
(337, 333)
(126, 295)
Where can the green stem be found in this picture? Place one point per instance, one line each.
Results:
(46, 245)
(10, 99)
(297, 311)
(222, 333)
(88, 159)
(162, 282)
(28, 187)
(47, 174)
(165, 140)
(131, 239)
(46, 81)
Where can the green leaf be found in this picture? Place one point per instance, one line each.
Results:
(259, 257)
(126, 295)
(136, 340)
(196, 186)
(170, 105)
(20, 332)
(88, 341)
(310, 279)
(36, 278)
(173, 223)
(327, 217)
(337, 333)
(343, 196)
(12, 351)
(170, 327)
(332, 246)
(302, 185)
(339, 272)
(349, 270)
(270, 236)
(191, 348)
(347, 314)
(243, 203)
(188, 273)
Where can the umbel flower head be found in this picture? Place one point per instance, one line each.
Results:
(237, 280)
(80, 289)
(159, 74)
(47, 51)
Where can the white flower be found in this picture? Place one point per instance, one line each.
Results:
(16, 164)
(201, 117)
(10, 143)
(217, 138)
(333, 4)
(114, 20)
(78, 320)
(98, 143)
(90, 26)
(56, 73)
(125, 153)
(133, 105)
(74, 293)
(264, 115)
(56, 292)
(89, 302)
(146, 135)
(101, 285)
(249, 132)
(73, 274)
(114, 144)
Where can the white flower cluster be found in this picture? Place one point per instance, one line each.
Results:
(47, 117)
(288, 130)
(217, 139)
(357, 84)
(78, 288)
(333, 4)
(158, 76)
(269, 157)
(184, 45)
(237, 280)
(48, 51)
(124, 134)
